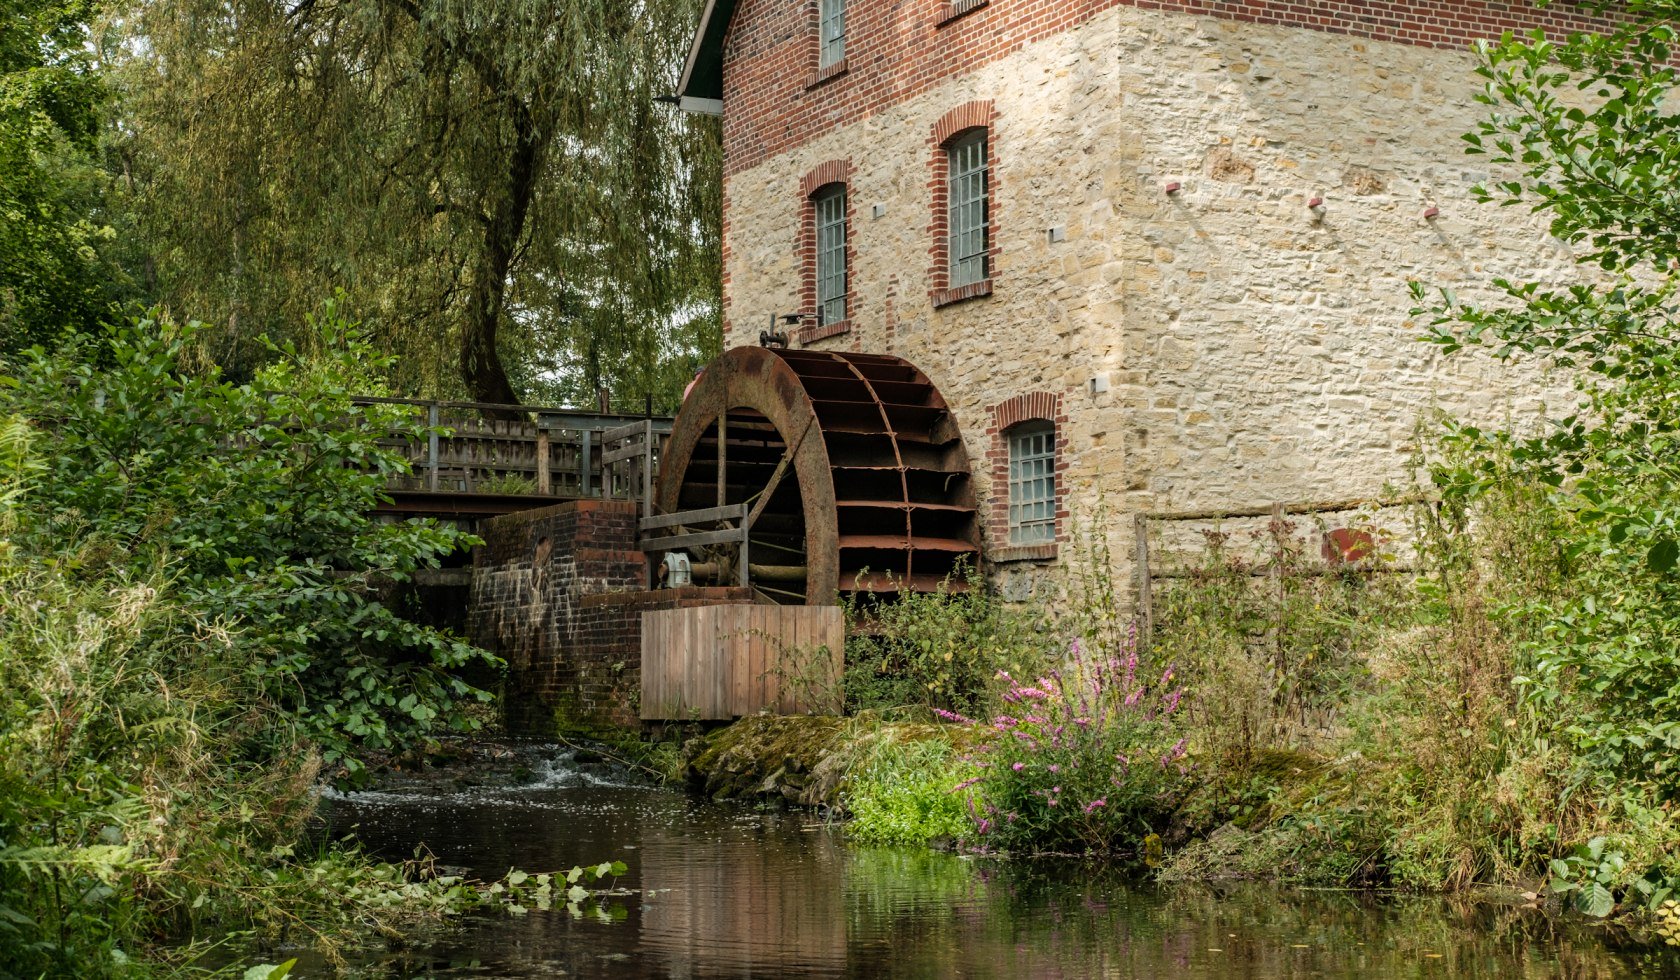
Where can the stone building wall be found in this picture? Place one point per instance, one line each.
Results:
(1253, 350)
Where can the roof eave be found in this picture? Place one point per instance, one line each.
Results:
(701, 89)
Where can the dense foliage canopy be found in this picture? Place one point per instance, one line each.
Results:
(497, 186)
(59, 243)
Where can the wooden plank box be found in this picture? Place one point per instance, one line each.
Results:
(715, 663)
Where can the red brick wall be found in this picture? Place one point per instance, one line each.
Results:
(528, 577)
(776, 101)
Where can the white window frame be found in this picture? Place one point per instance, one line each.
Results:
(1032, 483)
(828, 205)
(831, 32)
(968, 221)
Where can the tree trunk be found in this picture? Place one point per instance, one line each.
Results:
(481, 366)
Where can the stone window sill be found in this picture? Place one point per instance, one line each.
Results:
(957, 8)
(974, 290)
(810, 335)
(1023, 552)
(827, 74)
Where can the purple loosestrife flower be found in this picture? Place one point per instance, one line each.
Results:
(965, 784)
(1055, 768)
(952, 716)
(1018, 766)
(1094, 804)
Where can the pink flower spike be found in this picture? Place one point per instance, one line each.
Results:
(1094, 804)
(1018, 766)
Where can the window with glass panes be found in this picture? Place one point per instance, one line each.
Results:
(1032, 483)
(831, 27)
(830, 206)
(968, 219)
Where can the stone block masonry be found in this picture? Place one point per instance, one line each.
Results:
(559, 594)
(1223, 345)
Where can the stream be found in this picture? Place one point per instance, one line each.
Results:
(736, 890)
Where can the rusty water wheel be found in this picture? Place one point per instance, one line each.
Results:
(875, 493)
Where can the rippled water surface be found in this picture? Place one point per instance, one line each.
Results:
(727, 890)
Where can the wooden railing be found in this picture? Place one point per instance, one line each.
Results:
(543, 452)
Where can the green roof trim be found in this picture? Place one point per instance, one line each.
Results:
(702, 76)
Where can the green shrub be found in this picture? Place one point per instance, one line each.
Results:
(258, 499)
(935, 649)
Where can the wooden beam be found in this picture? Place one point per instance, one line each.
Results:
(709, 515)
(674, 542)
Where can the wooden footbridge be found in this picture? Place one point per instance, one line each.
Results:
(483, 459)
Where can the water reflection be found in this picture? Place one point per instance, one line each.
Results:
(730, 891)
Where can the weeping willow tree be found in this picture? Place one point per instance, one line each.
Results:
(493, 183)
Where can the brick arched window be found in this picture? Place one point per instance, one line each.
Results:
(964, 243)
(1028, 508)
(825, 250)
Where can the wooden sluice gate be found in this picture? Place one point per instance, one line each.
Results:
(716, 663)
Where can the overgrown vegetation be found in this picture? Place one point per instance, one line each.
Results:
(190, 635)
(935, 649)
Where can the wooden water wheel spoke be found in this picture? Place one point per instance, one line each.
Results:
(849, 463)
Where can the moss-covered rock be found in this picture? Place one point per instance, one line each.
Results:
(791, 758)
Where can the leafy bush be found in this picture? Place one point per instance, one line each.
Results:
(257, 502)
(1269, 645)
(1091, 758)
(935, 649)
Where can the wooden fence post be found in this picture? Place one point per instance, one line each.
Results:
(585, 463)
(432, 448)
(543, 481)
(1278, 514)
(1145, 587)
(647, 467)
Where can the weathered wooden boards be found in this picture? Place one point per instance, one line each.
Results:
(709, 663)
